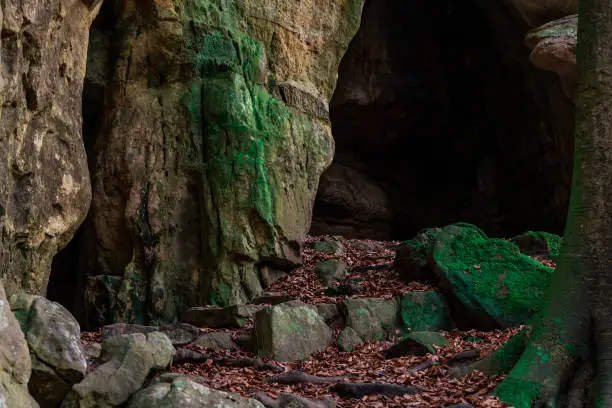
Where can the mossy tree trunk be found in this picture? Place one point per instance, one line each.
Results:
(575, 326)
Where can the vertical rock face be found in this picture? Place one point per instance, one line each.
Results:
(44, 181)
(210, 146)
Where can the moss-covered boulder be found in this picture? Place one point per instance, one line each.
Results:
(373, 319)
(216, 131)
(128, 360)
(290, 331)
(424, 311)
(331, 271)
(488, 280)
(54, 341)
(15, 362)
(539, 244)
(177, 391)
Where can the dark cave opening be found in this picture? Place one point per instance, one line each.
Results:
(68, 279)
(439, 117)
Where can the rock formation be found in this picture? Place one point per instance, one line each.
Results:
(209, 147)
(44, 182)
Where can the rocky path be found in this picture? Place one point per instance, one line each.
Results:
(359, 269)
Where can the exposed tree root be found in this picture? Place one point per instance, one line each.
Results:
(190, 356)
(360, 390)
(300, 377)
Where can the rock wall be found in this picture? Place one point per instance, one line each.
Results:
(44, 181)
(207, 151)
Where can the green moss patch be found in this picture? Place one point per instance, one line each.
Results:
(490, 277)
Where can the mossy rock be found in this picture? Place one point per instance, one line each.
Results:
(413, 257)
(539, 244)
(331, 271)
(488, 280)
(424, 311)
(290, 331)
(417, 344)
(372, 318)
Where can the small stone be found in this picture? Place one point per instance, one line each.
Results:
(217, 340)
(417, 344)
(328, 246)
(348, 339)
(331, 271)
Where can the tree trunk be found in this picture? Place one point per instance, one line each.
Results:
(578, 308)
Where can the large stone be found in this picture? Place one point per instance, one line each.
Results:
(15, 363)
(290, 331)
(488, 280)
(44, 180)
(213, 139)
(373, 319)
(181, 392)
(54, 340)
(128, 361)
(412, 256)
(553, 48)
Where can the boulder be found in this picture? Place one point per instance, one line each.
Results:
(417, 344)
(372, 319)
(348, 339)
(54, 341)
(424, 311)
(290, 331)
(128, 360)
(15, 362)
(272, 298)
(185, 393)
(235, 316)
(488, 280)
(331, 271)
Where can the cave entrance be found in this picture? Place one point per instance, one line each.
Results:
(439, 117)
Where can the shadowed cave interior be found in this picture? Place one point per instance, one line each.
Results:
(438, 117)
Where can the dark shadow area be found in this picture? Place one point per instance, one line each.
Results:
(439, 117)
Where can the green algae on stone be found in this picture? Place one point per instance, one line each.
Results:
(424, 311)
(490, 277)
